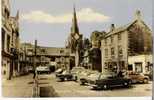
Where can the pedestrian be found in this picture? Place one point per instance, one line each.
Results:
(34, 74)
(120, 74)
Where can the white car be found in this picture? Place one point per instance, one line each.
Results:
(43, 69)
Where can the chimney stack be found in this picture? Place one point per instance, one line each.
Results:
(137, 15)
(112, 27)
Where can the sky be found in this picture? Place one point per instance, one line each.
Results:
(49, 21)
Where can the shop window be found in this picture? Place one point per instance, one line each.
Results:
(138, 67)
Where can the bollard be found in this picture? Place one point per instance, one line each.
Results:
(36, 90)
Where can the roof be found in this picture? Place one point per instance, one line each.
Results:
(54, 51)
(120, 29)
(125, 27)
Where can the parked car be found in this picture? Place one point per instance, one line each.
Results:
(87, 75)
(43, 69)
(150, 75)
(30, 69)
(138, 77)
(107, 80)
(58, 71)
(76, 72)
(65, 75)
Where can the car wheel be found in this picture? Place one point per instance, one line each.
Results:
(81, 83)
(75, 78)
(145, 81)
(105, 87)
(62, 79)
(126, 84)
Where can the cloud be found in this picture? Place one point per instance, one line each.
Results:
(84, 15)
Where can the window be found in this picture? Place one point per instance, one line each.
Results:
(130, 67)
(120, 50)
(111, 39)
(3, 39)
(112, 51)
(106, 52)
(8, 43)
(61, 51)
(43, 50)
(119, 36)
(105, 41)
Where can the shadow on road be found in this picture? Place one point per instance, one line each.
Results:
(43, 78)
(31, 82)
(43, 83)
(48, 92)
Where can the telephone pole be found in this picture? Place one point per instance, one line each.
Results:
(35, 54)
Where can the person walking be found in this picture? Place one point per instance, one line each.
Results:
(34, 74)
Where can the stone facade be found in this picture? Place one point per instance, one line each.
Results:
(121, 44)
(10, 41)
(58, 57)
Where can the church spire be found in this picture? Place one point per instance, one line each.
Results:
(74, 28)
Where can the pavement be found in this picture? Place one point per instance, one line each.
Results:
(18, 87)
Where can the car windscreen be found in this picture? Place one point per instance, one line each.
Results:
(107, 75)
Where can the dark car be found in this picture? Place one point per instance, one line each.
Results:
(65, 75)
(108, 80)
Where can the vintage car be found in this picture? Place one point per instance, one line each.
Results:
(69, 74)
(65, 75)
(107, 80)
(58, 71)
(42, 69)
(87, 75)
(138, 77)
(149, 74)
(76, 72)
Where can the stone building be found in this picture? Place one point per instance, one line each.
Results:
(121, 46)
(10, 41)
(74, 42)
(57, 57)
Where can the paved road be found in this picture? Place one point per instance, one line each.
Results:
(73, 89)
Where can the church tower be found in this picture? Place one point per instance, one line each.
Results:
(74, 36)
(75, 39)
